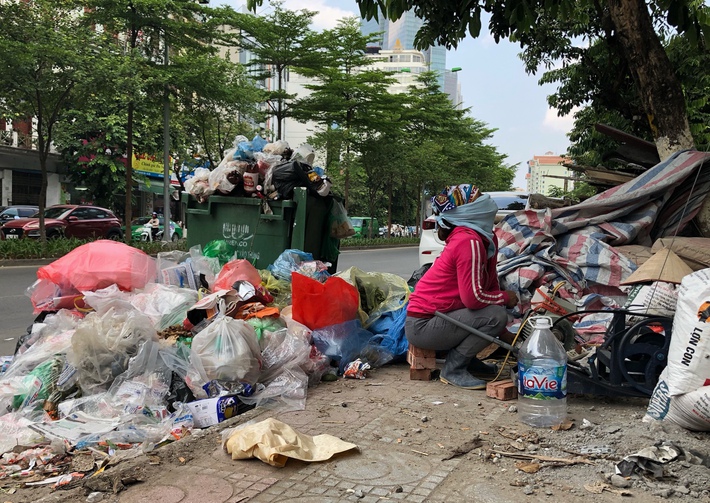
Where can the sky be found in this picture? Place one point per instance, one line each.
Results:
(494, 86)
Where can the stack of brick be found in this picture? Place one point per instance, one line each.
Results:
(422, 362)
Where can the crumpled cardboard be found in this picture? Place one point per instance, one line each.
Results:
(274, 442)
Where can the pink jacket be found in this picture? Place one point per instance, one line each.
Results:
(461, 277)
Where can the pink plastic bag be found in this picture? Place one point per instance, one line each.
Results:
(100, 264)
(236, 270)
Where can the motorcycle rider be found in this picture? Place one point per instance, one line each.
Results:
(154, 225)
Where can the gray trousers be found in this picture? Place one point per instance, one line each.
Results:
(438, 334)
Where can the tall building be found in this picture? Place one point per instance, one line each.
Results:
(546, 171)
(401, 33)
(405, 64)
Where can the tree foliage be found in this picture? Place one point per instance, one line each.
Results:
(280, 41)
(44, 53)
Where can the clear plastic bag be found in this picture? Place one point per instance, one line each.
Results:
(103, 344)
(281, 349)
(340, 226)
(228, 349)
(286, 391)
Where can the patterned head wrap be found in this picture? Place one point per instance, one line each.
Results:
(465, 206)
(453, 196)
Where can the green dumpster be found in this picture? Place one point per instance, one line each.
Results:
(300, 223)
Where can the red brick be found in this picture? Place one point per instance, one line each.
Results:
(502, 390)
(420, 374)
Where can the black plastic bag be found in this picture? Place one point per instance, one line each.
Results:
(289, 175)
(417, 275)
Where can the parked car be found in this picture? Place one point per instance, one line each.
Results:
(430, 246)
(138, 223)
(17, 211)
(67, 220)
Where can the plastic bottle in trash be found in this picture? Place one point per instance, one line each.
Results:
(251, 179)
(542, 377)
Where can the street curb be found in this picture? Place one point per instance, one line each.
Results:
(22, 262)
(26, 262)
(378, 247)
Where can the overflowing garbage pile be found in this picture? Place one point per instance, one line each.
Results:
(259, 169)
(621, 252)
(129, 352)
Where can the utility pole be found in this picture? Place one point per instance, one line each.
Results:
(166, 152)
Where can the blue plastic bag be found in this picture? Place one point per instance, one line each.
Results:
(347, 342)
(288, 262)
(390, 327)
(244, 151)
(258, 143)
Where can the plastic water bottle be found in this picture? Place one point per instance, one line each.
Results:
(542, 377)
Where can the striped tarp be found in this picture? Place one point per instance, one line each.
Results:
(576, 243)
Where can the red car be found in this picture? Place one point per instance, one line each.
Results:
(67, 220)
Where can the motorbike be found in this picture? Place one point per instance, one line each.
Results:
(147, 234)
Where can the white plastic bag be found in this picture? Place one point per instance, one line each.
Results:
(688, 364)
(198, 184)
(228, 349)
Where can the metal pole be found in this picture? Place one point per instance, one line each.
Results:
(480, 334)
(166, 154)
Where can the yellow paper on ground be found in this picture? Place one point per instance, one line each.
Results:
(274, 442)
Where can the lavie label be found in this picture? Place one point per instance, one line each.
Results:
(542, 382)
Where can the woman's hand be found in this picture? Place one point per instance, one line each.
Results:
(512, 299)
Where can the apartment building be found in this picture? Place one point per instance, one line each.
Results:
(546, 171)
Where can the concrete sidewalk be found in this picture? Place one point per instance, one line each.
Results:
(405, 430)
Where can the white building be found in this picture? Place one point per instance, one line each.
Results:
(546, 171)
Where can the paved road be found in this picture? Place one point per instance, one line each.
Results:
(16, 309)
(400, 261)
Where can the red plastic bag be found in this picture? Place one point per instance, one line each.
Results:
(100, 264)
(236, 270)
(317, 305)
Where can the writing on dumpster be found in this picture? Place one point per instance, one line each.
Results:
(241, 238)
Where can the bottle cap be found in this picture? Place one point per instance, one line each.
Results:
(543, 322)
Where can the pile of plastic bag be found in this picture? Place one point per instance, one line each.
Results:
(142, 351)
(259, 169)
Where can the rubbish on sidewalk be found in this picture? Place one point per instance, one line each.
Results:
(74, 427)
(464, 448)
(212, 411)
(649, 461)
(549, 459)
(274, 442)
(356, 369)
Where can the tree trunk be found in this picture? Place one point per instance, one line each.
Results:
(420, 198)
(389, 207)
(279, 119)
(661, 92)
(129, 174)
(42, 203)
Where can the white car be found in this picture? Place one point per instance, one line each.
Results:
(430, 246)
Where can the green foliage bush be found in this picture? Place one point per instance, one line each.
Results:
(365, 243)
(14, 249)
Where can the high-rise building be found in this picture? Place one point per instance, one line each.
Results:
(400, 34)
